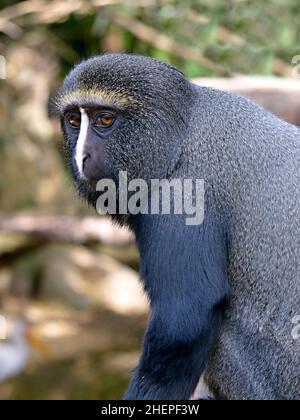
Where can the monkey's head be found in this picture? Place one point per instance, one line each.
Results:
(123, 113)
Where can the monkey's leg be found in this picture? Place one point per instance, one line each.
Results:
(187, 284)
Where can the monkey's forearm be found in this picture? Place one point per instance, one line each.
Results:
(173, 361)
(188, 294)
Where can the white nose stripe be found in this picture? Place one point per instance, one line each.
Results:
(84, 126)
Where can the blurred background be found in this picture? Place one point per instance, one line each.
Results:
(72, 312)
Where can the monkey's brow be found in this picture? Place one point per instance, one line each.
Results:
(99, 98)
(76, 106)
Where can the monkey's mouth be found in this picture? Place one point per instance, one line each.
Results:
(90, 182)
(87, 184)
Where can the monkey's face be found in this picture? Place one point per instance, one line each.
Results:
(89, 131)
(123, 113)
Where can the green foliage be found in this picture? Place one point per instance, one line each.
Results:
(266, 30)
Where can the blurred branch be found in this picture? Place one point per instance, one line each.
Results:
(165, 43)
(280, 96)
(10, 29)
(43, 12)
(22, 8)
(48, 12)
(67, 229)
(57, 11)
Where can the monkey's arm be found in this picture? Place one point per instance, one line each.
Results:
(185, 275)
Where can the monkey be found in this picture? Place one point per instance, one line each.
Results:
(223, 293)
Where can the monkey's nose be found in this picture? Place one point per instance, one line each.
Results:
(85, 159)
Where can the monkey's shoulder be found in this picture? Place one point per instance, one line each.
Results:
(236, 109)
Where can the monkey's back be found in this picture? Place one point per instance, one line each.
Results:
(250, 161)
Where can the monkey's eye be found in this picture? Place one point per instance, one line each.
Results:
(74, 120)
(105, 119)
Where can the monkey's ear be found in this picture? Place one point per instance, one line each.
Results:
(53, 108)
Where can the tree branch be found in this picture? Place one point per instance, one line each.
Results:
(67, 229)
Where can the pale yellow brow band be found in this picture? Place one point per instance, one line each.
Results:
(102, 96)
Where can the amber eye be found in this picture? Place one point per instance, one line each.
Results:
(105, 120)
(74, 121)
